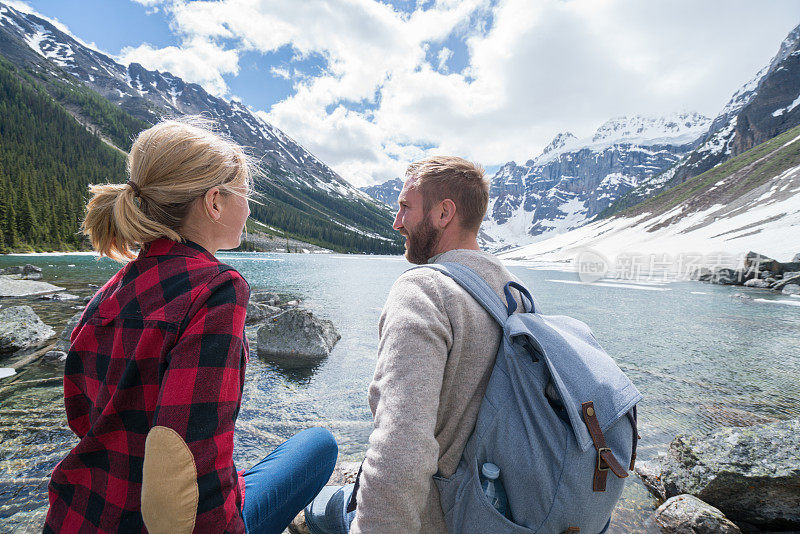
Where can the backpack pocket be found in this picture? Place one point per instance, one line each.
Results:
(469, 511)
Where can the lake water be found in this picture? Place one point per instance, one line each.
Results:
(703, 357)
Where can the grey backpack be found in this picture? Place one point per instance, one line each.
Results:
(558, 418)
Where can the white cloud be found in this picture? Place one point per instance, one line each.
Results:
(539, 68)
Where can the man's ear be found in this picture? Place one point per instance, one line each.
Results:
(212, 204)
(446, 212)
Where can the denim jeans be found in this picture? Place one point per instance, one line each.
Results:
(280, 485)
(327, 513)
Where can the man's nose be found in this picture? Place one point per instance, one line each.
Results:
(397, 225)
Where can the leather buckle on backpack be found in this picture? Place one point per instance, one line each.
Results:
(600, 461)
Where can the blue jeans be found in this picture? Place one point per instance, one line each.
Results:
(280, 485)
(327, 513)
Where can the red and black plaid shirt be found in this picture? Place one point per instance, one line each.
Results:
(162, 343)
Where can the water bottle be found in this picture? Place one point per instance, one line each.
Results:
(493, 488)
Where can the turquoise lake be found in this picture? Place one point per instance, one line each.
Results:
(704, 356)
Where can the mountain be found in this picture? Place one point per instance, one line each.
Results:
(300, 195)
(764, 107)
(750, 202)
(573, 179)
(45, 154)
(387, 192)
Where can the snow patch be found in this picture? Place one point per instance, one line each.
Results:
(787, 109)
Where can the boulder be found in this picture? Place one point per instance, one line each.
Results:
(63, 343)
(21, 328)
(796, 258)
(791, 289)
(751, 473)
(785, 281)
(31, 272)
(257, 312)
(685, 514)
(755, 261)
(296, 337)
(14, 287)
(755, 282)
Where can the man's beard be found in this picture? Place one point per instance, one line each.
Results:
(422, 242)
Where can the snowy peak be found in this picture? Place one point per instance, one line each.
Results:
(675, 129)
(649, 129)
(559, 142)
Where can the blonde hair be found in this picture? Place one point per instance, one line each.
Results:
(170, 165)
(442, 177)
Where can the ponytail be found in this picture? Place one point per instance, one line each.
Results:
(170, 166)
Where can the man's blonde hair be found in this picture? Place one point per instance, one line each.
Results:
(442, 177)
(170, 165)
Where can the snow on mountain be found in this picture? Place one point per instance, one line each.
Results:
(752, 203)
(709, 235)
(573, 179)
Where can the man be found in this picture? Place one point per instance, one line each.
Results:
(436, 352)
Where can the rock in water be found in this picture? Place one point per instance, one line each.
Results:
(21, 328)
(791, 289)
(63, 343)
(55, 356)
(297, 337)
(752, 474)
(31, 272)
(14, 287)
(685, 514)
(257, 312)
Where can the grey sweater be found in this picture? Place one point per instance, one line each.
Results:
(436, 352)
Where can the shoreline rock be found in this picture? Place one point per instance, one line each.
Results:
(686, 514)
(751, 474)
(21, 328)
(758, 272)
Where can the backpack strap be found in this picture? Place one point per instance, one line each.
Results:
(605, 457)
(636, 437)
(475, 285)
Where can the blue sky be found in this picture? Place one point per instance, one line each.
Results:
(369, 86)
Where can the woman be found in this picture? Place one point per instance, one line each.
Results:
(153, 380)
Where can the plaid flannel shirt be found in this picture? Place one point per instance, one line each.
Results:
(162, 343)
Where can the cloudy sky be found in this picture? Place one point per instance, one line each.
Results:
(369, 86)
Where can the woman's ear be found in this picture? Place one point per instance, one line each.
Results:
(212, 203)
